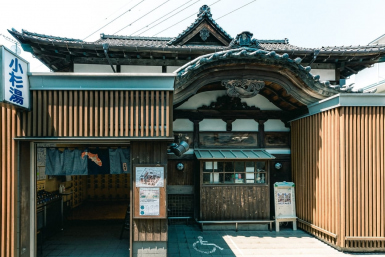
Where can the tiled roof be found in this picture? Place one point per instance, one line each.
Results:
(161, 43)
(204, 13)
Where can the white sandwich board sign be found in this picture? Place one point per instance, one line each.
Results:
(284, 197)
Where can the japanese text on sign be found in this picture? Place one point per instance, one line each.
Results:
(15, 79)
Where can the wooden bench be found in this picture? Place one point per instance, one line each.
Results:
(270, 222)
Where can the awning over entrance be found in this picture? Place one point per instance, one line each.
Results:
(224, 154)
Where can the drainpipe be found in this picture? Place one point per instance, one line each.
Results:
(105, 48)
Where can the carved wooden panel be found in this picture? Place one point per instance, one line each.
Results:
(277, 139)
(228, 139)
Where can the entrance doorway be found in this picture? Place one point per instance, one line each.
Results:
(86, 212)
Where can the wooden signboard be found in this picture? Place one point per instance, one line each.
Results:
(149, 191)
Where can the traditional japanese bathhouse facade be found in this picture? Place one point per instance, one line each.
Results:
(250, 109)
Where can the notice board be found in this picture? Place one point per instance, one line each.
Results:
(149, 191)
(284, 198)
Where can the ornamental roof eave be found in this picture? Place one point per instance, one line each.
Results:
(320, 89)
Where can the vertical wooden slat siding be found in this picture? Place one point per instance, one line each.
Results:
(39, 118)
(96, 120)
(92, 113)
(45, 113)
(70, 114)
(65, 113)
(126, 113)
(338, 167)
(60, 110)
(76, 114)
(86, 113)
(157, 114)
(147, 113)
(111, 125)
(10, 122)
(80, 110)
(137, 114)
(100, 113)
(167, 114)
(121, 113)
(142, 113)
(106, 114)
(152, 114)
(132, 114)
(80, 113)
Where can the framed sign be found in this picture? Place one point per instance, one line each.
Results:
(149, 176)
(14, 83)
(149, 191)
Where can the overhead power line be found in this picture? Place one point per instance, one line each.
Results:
(167, 18)
(114, 19)
(117, 10)
(235, 10)
(182, 20)
(141, 17)
(164, 16)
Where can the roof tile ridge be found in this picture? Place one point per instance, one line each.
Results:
(33, 34)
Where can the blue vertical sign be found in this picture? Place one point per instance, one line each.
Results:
(14, 83)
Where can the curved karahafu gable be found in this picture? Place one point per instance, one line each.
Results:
(251, 63)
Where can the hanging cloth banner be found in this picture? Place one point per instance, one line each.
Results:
(98, 161)
(54, 164)
(75, 163)
(119, 160)
(87, 162)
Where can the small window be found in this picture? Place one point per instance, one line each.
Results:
(237, 172)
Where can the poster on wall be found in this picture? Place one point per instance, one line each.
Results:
(149, 176)
(149, 201)
(40, 156)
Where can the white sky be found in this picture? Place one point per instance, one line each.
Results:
(307, 23)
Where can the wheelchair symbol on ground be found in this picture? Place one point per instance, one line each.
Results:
(209, 248)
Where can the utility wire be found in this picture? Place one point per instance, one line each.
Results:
(118, 10)
(142, 16)
(235, 10)
(164, 16)
(182, 20)
(168, 18)
(114, 19)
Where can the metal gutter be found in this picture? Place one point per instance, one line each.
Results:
(345, 99)
(92, 140)
(101, 81)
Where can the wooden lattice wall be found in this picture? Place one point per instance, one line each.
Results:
(338, 167)
(132, 114)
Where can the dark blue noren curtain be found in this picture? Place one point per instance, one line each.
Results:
(119, 160)
(74, 163)
(98, 161)
(54, 162)
(87, 162)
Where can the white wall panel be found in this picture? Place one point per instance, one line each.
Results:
(212, 125)
(245, 125)
(140, 69)
(184, 125)
(275, 125)
(93, 68)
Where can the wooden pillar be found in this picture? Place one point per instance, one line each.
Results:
(149, 235)
(196, 132)
(261, 133)
(229, 124)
